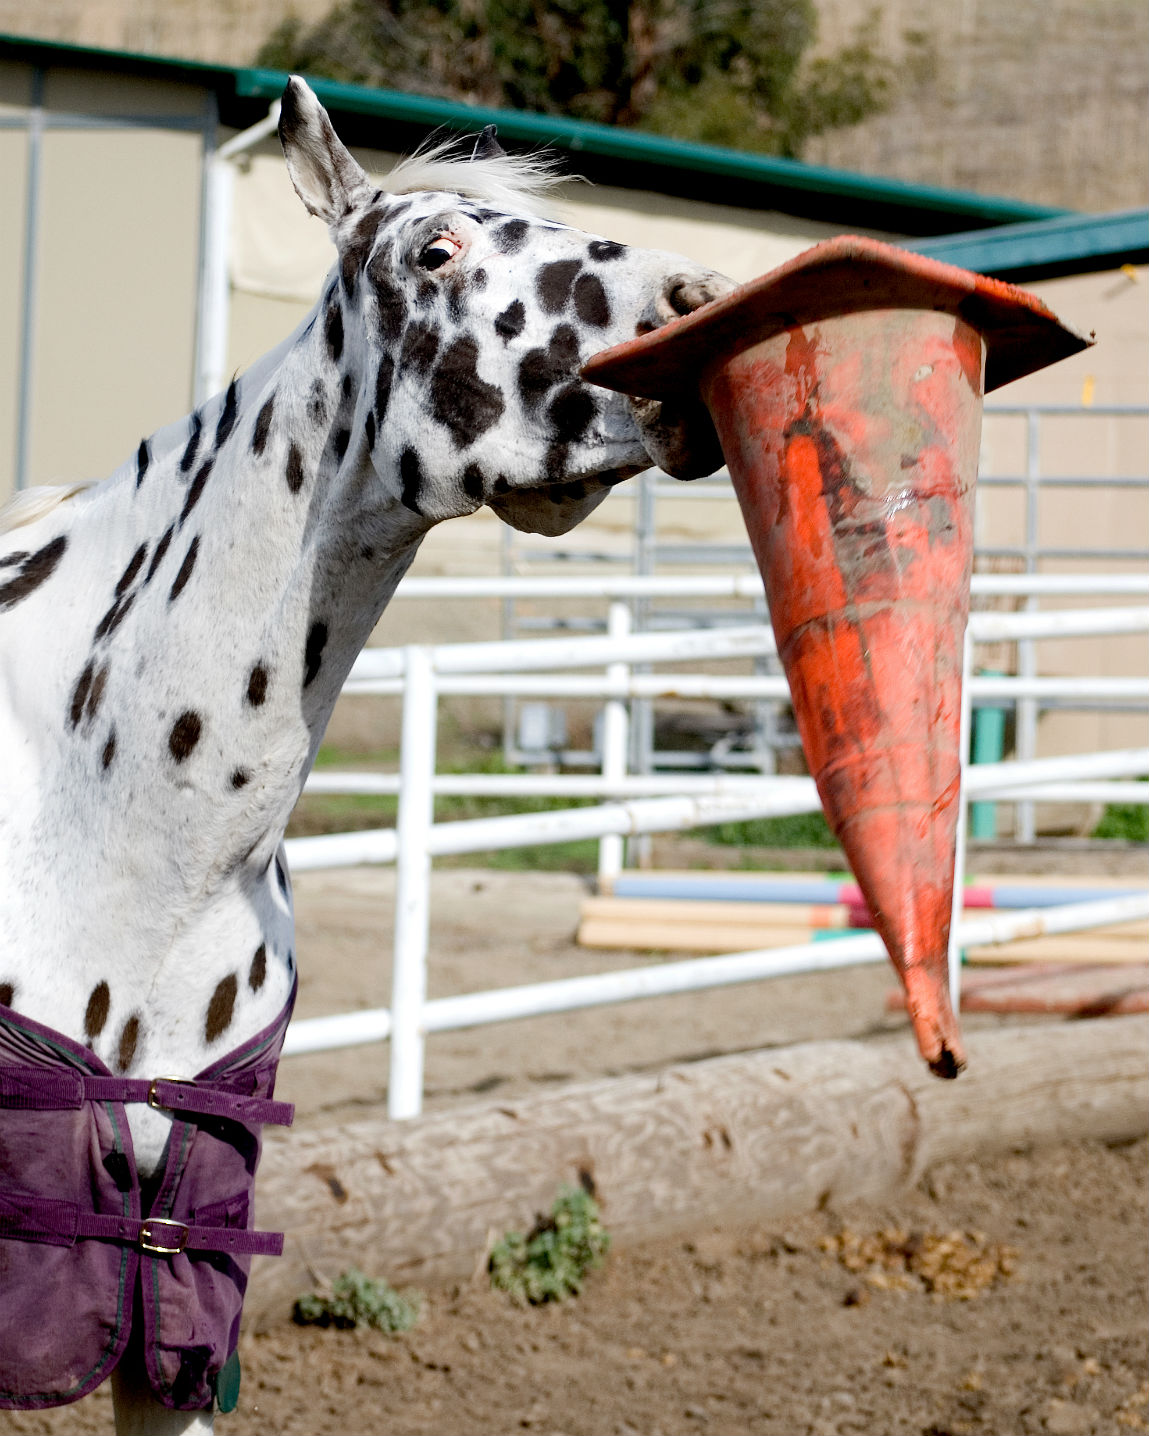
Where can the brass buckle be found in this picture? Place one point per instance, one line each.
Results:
(153, 1100)
(151, 1240)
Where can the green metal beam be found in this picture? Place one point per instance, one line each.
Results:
(644, 150)
(1070, 243)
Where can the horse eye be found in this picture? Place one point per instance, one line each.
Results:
(438, 252)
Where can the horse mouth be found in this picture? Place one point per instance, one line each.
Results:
(679, 436)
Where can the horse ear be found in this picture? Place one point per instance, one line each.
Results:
(325, 175)
(487, 146)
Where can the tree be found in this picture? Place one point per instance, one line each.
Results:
(732, 72)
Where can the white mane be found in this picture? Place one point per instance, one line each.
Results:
(29, 505)
(515, 183)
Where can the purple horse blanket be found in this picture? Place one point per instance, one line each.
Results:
(88, 1253)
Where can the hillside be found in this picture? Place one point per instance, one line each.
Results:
(1045, 100)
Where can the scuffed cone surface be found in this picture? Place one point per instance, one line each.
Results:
(853, 447)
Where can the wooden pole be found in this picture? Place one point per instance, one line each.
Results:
(747, 1138)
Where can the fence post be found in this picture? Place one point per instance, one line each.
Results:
(987, 745)
(614, 745)
(1025, 741)
(412, 884)
(956, 910)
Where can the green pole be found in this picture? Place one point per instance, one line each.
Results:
(988, 743)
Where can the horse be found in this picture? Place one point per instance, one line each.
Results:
(173, 639)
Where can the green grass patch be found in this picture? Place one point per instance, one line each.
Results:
(550, 1263)
(575, 857)
(353, 812)
(350, 812)
(1128, 822)
(358, 1300)
(798, 830)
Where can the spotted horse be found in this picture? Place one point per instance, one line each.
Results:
(172, 642)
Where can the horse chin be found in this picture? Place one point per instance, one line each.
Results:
(678, 435)
(553, 510)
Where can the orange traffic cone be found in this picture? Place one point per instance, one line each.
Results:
(846, 388)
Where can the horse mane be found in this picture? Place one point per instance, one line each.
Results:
(29, 505)
(515, 183)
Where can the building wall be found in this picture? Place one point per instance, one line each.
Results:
(111, 185)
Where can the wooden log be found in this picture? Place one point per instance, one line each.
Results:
(1083, 990)
(742, 1139)
(1093, 945)
(672, 910)
(688, 937)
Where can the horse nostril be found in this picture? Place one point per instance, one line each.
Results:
(684, 293)
(681, 297)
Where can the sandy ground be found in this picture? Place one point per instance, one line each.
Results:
(733, 1331)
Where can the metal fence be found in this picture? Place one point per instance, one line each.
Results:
(642, 804)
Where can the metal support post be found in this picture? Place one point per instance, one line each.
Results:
(215, 281)
(29, 281)
(1026, 720)
(412, 885)
(614, 745)
(960, 834)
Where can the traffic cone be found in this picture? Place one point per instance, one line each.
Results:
(846, 389)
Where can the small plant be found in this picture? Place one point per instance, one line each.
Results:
(1128, 822)
(358, 1300)
(796, 830)
(549, 1264)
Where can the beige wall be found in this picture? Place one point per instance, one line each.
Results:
(115, 276)
(13, 169)
(116, 296)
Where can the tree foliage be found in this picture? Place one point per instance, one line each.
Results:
(731, 72)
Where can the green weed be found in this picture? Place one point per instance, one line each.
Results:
(551, 1261)
(1126, 821)
(798, 830)
(358, 1300)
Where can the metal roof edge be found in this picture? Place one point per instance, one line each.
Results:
(1064, 244)
(640, 147)
(770, 176)
(88, 56)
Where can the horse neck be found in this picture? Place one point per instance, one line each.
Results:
(220, 593)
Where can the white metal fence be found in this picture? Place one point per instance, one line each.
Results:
(651, 803)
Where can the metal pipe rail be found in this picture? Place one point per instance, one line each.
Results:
(687, 645)
(476, 1009)
(1003, 689)
(733, 802)
(417, 838)
(747, 585)
(658, 785)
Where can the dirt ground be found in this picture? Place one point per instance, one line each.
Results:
(1003, 1295)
